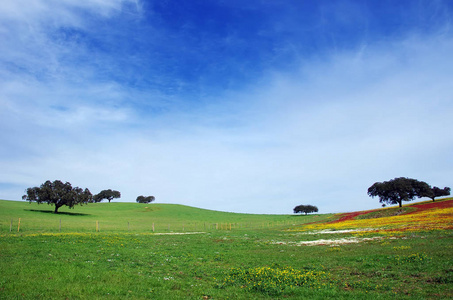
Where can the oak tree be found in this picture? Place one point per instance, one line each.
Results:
(58, 194)
(305, 209)
(438, 192)
(106, 194)
(147, 199)
(397, 190)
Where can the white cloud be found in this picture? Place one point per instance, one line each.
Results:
(44, 39)
(321, 136)
(59, 12)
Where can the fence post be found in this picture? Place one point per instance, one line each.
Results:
(18, 226)
(153, 226)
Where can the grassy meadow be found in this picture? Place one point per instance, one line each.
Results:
(130, 217)
(110, 251)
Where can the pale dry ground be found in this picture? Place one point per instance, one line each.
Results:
(177, 233)
(332, 242)
(328, 231)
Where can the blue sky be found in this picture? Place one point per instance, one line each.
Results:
(253, 107)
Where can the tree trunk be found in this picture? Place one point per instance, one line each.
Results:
(56, 209)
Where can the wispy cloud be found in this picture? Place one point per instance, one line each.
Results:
(320, 131)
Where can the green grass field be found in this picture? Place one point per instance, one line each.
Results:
(132, 217)
(202, 254)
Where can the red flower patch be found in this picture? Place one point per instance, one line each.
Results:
(430, 205)
(351, 216)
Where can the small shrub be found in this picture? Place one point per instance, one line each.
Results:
(411, 258)
(271, 281)
(402, 248)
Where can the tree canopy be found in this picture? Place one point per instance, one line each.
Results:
(147, 199)
(58, 193)
(438, 192)
(106, 194)
(400, 189)
(305, 209)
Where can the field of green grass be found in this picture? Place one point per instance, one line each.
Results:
(131, 217)
(202, 254)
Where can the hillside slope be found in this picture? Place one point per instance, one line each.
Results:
(117, 216)
(416, 217)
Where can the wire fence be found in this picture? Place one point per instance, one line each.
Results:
(24, 225)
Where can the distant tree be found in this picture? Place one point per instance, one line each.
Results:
(58, 193)
(147, 199)
(400, 189)
(106, 194)
(305, 209)
(438, 192)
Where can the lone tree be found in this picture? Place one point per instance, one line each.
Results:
(438, 192)
(147, 199)
(106, 194)
(305, 209)
(400, 189)
(58, 193)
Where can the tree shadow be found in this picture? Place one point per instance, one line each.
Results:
(59, 213)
